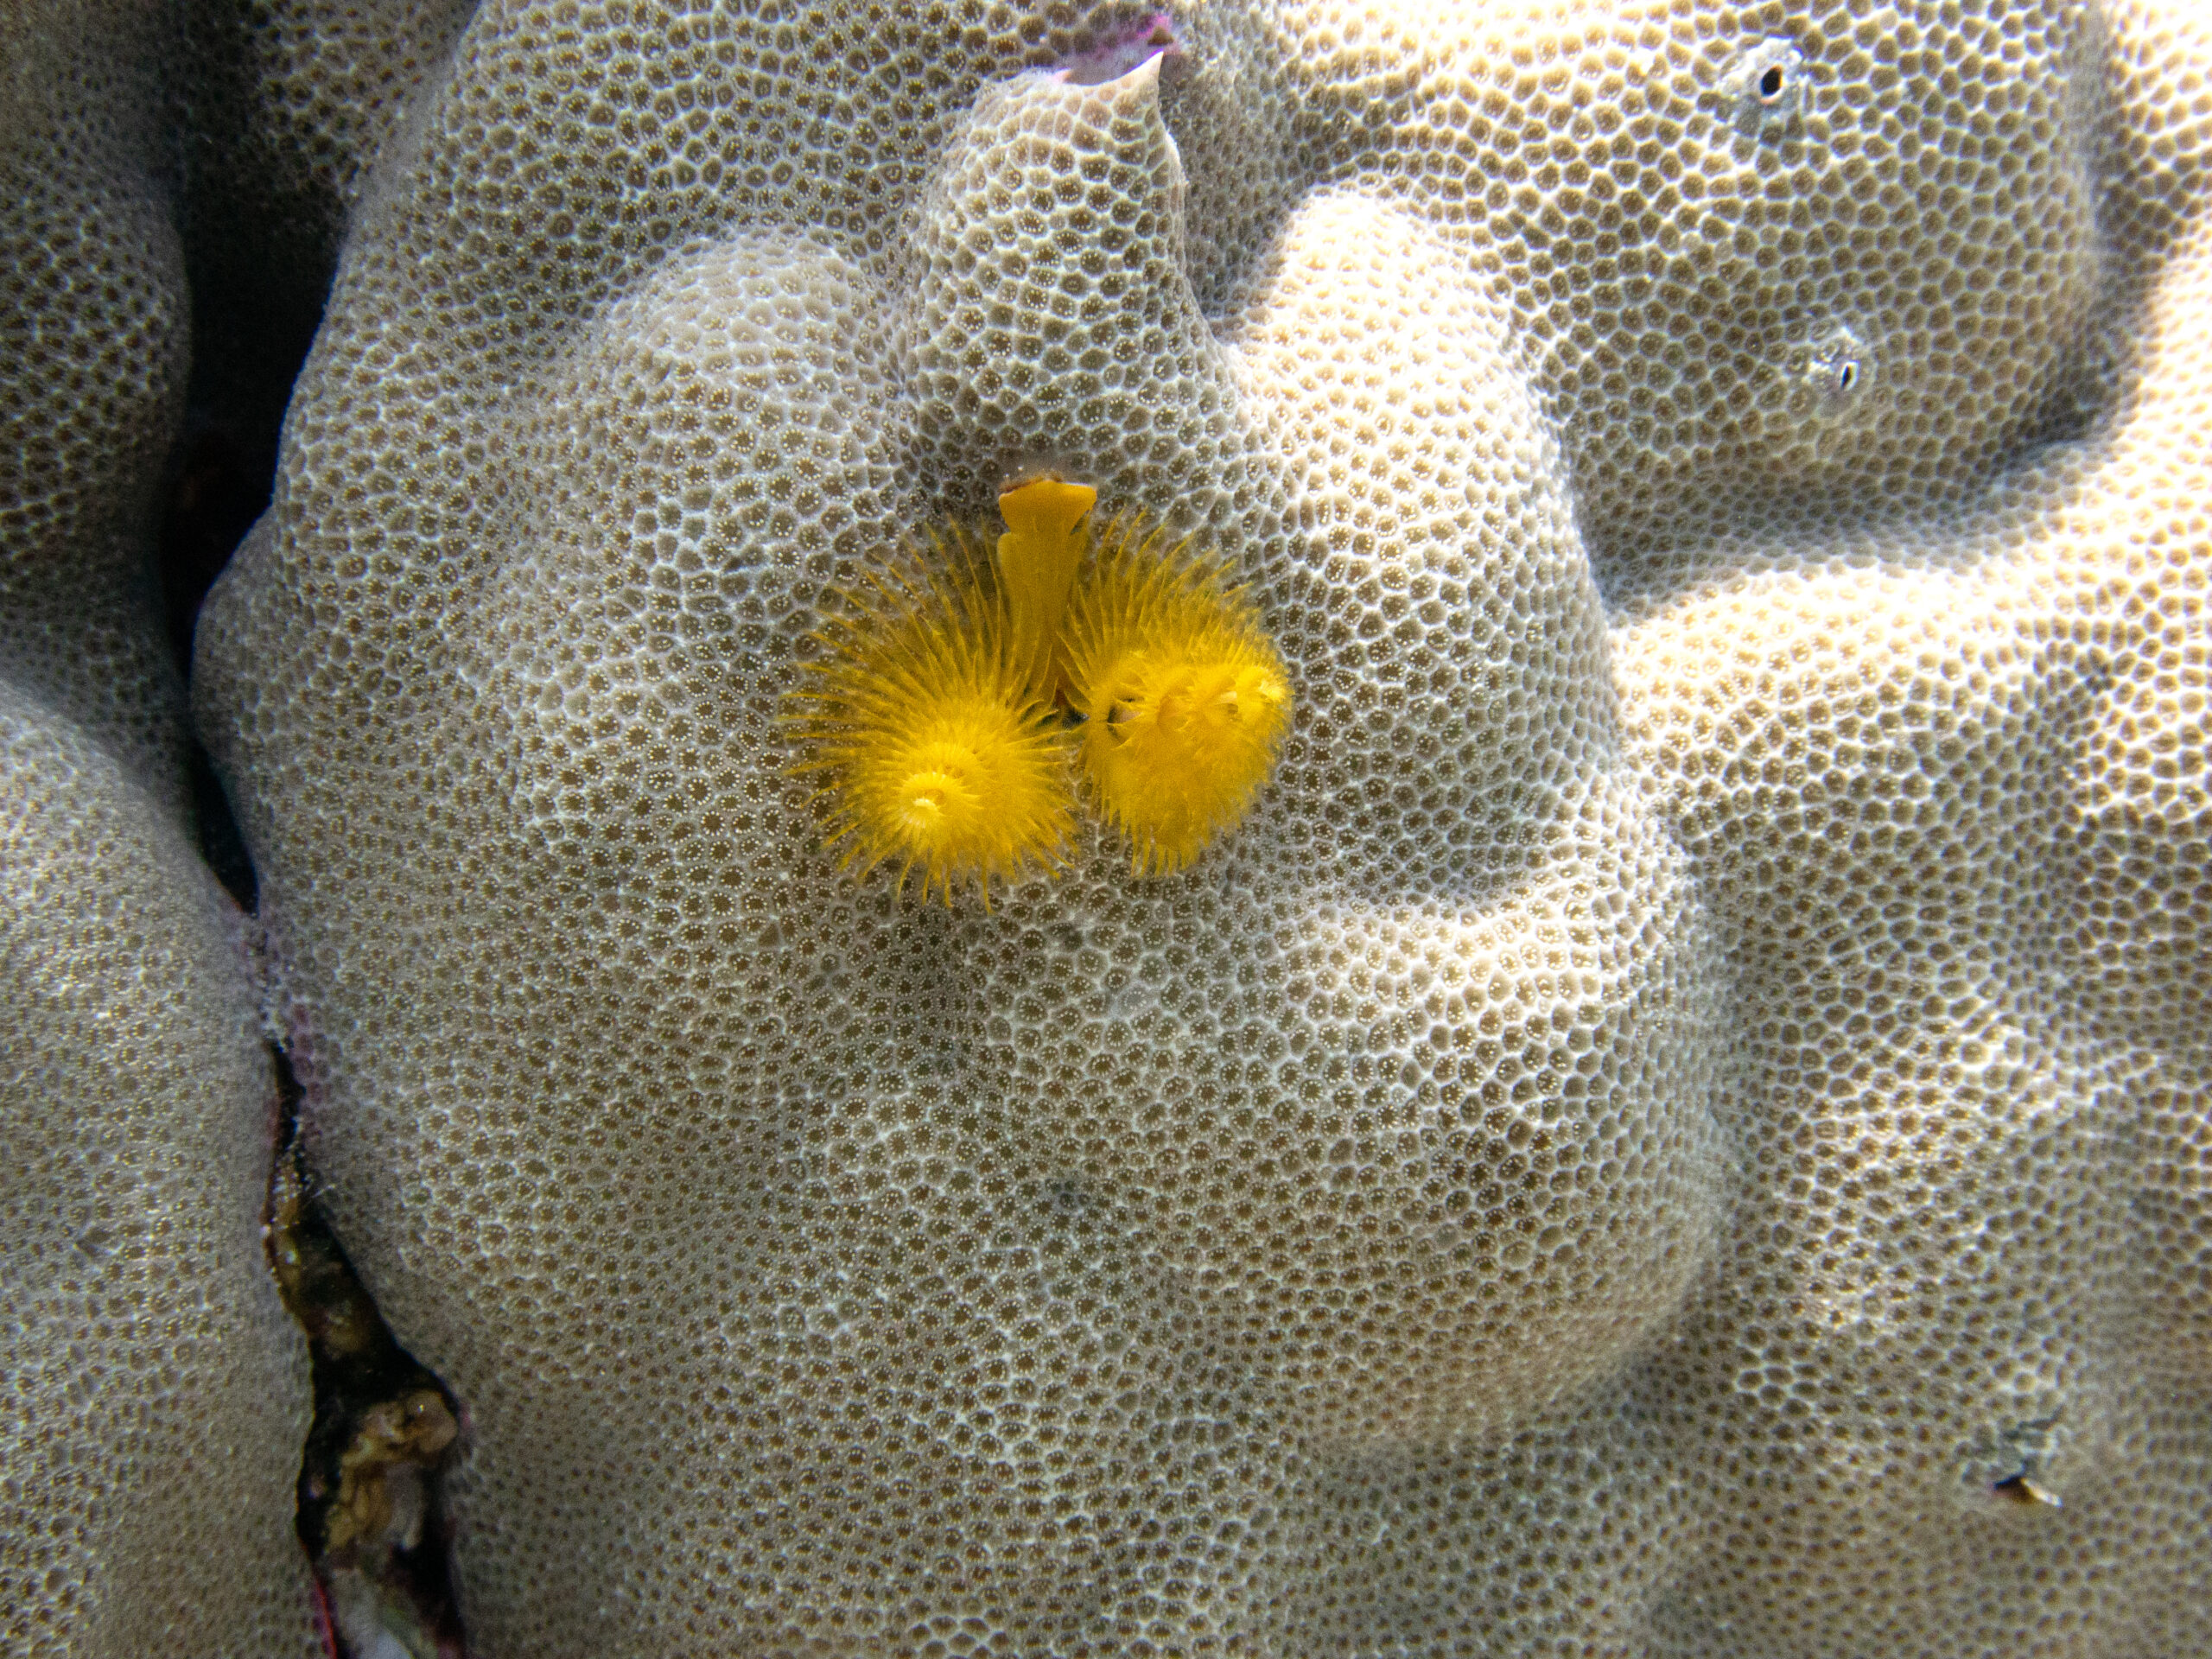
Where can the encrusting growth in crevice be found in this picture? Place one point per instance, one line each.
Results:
(941, 706)
(372, 1513)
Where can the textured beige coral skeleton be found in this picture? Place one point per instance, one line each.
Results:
(1692, 1078)
(152, 1395)
(155, 1395)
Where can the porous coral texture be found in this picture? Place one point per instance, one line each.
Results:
(1676, 1124)
(153, 1394)
(93, 356)
(286, 104)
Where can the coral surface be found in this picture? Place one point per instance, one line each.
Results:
(92, 358)
(153, 1394)
(1679, 1124)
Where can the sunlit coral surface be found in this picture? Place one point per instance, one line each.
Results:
(1678, 1123)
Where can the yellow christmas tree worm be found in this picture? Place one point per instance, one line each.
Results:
(1185, 699)
(937, 708)
(941, 754)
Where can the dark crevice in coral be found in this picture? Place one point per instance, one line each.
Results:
(221, 843)
(259, 254)
(1118, 51)
(386, 1431)
(218, 482)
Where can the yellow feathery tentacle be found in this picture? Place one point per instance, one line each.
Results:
(1037, 559)
(940, 753)
(1186, 699)
(933, 707)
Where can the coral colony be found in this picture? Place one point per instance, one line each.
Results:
(1586, 731)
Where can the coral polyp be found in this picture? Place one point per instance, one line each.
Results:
(1185, 699)
(942, 757)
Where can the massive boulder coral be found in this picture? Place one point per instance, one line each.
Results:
(1677, 1127)
(282, 106)
(153, 1394)
(92, 359)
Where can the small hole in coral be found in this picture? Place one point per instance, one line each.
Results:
(1766, 87)
(1832, 368)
